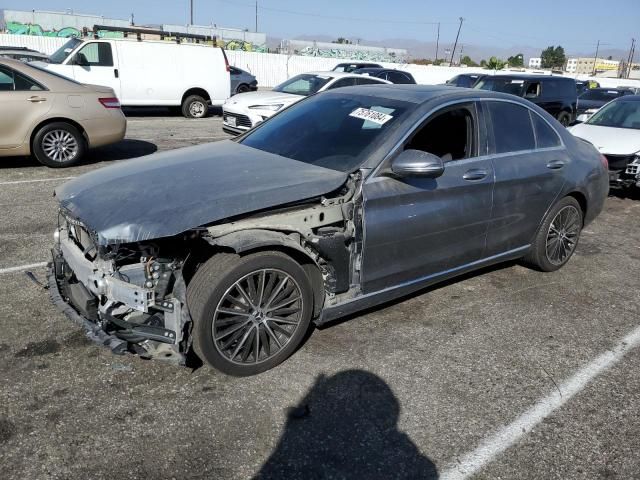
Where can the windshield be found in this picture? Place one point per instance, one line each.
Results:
(600, 95)
(619, 114)
(305, 84)
(63, 52)
(330, 130)
(504, 85)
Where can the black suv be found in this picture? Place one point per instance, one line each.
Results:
(393, 76)
(557, 95)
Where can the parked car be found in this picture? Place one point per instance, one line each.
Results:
(556, 95)
(53, 118)
(393, 76)
(466, 80)
(149, 73)
(590, 101)
(584, 85)
(349, 67)
(344, 200)
(244, 111)
(615, 131)
(23, 54)
(242, 81)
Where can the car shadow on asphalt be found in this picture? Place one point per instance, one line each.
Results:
(346, 426)
(123, 150)
(163, 111)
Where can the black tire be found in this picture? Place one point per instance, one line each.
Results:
(58, 138)
(564, 118)
(539, 256)
(242, 88)
(206, 294)
(194, 106)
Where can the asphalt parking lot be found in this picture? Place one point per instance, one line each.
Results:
(500, 374)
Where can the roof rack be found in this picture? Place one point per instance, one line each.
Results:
(138, 32)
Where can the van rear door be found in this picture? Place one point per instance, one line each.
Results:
(97, 63)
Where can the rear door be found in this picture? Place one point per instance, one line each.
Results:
(97, 63)
(529, 160)
(24, 102)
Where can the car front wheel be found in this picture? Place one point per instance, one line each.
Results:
(250, 313)
(557, 237)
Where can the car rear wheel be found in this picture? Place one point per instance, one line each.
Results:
(564, 118)
(250, 313)
(242, 88)
(557, 237)
(194, 106)
(58, 144)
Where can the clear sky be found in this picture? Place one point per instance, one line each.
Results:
(575, 24)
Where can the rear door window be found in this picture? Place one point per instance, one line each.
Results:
(398, 77)
(512, 129)
(343, 82)
(6, 80)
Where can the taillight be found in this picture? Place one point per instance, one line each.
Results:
(605, 162)
(110, 102)
(226, 60)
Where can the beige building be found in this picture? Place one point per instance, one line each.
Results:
(584, 65)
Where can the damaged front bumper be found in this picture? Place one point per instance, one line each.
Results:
(130, 309)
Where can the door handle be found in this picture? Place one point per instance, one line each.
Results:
(116, 73)
(36, 99)
(555, 164)
(475, 174)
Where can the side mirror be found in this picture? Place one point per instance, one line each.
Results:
(416, 163)
(80, 60)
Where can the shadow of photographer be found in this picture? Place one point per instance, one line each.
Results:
(346, 428)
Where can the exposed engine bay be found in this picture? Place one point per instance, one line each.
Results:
(131, 297)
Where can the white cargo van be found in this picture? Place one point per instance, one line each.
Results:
(190, 76)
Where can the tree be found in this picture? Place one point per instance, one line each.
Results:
(553, 57)
(483, 63)
(342, 40)
(466, 60)
(495, 64)
(516, 60)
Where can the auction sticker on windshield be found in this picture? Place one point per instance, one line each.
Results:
(371, 115)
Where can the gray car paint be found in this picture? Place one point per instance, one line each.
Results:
(167, 193)
(238, 79)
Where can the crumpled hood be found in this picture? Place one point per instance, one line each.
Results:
(609, 140)
(167, 193)
(263, 98)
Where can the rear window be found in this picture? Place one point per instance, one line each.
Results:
(513, 86)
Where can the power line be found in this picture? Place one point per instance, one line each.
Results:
(331, 17)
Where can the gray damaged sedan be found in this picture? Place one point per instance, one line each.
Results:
(345, 200)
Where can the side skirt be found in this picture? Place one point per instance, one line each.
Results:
(391, 293)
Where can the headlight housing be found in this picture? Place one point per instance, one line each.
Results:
(273, 108)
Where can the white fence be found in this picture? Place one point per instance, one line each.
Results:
(271, 68)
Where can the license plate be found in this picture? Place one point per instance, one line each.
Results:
(231, 121)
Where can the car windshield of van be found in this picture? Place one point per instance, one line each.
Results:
(601, 95)
(305, 84)
(331, 130)
(513, 86)
(63, 52)
(618, 114)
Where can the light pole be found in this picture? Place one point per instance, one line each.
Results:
(456, 42)
(191, 9)
(595, 59)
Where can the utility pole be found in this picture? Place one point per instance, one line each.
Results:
(595, 59)
(632, 52)
(191, 2)
(456, 43)
(256, 16)
(437, 41)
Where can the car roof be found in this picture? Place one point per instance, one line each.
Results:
(615, 89)
(51, 80)
(420, 94)
(628, 98)
(532, 77)
(332, 74)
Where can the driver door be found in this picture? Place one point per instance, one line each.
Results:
(96, 63)
(416, 227)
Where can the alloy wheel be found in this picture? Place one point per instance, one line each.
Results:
(60, 146)
(257, 316)
(562, 236)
